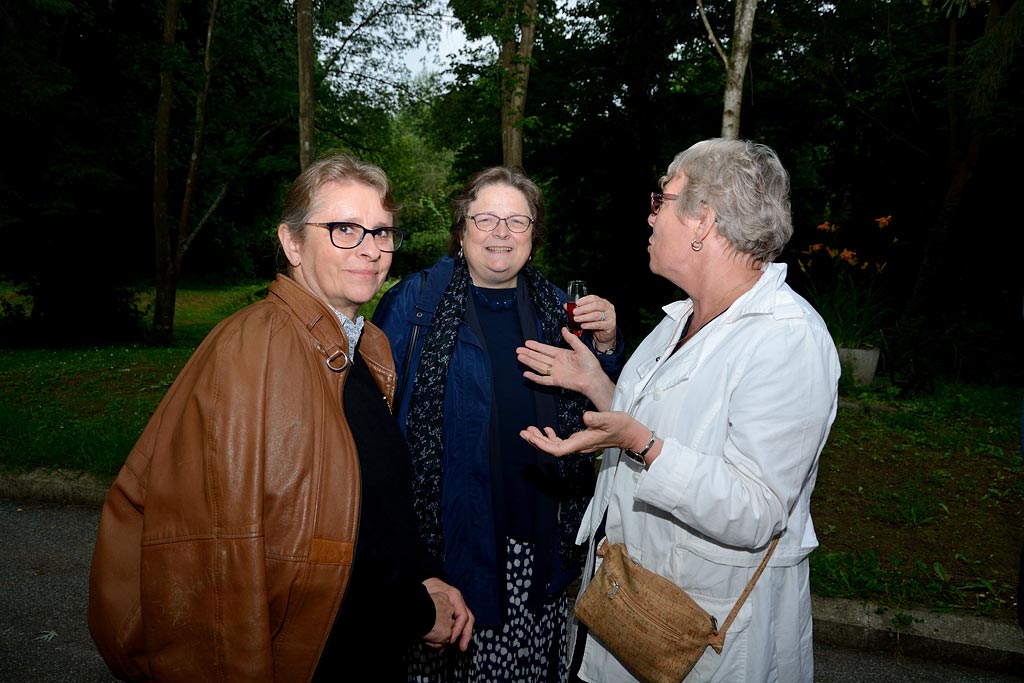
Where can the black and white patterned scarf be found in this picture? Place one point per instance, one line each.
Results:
(425, 424)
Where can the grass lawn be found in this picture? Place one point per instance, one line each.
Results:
(919, 503)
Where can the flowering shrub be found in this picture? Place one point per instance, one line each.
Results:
(843, 286)
(842, 254)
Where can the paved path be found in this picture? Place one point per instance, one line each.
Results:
(47, 547)
(44, 588)
(834, 664)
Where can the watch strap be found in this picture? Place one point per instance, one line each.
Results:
(639, 456)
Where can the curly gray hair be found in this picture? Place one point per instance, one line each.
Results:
(746, 186)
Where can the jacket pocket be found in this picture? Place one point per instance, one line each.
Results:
(731, 665)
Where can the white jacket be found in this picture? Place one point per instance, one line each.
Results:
(744, 409)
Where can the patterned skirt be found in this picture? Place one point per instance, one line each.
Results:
(530, 647)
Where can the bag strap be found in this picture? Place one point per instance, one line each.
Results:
(409, 351)
(719, 640)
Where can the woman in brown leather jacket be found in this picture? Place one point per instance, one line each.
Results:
(262, 526)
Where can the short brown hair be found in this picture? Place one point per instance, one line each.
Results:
(496, 175)
(335, 167)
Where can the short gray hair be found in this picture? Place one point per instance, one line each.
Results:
(746, 186)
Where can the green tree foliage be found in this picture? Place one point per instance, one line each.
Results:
(74, 183)
(419, 170)
(882, 127)
(614, 94)
(77, 103)
(901, 109)
(361, 55)
(868, 105)
(251, 153)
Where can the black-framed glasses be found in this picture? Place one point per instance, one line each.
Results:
(346, 235)
(489, 221)
(659, 198)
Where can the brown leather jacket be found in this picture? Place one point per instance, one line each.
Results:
(226, 542)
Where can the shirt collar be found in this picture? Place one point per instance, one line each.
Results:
(353, 328)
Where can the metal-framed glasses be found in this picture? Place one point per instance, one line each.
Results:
(346, 235)
(489, 221)
(659, 198)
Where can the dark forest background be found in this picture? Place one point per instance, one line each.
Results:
(899, 123)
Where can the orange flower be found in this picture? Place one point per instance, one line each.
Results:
(840, 254)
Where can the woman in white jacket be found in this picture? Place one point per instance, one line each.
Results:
(712, 435)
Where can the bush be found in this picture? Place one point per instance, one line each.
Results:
(60, 317)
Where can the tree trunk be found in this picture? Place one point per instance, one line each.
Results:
(166, 274)
(735, 62)
(964, 152)
(307, 56)
(742, 38)
(185, 235)
(515, 62)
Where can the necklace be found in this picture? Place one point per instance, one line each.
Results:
(500, 304)
(687, 335)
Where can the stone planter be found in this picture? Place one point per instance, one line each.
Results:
(860, 364)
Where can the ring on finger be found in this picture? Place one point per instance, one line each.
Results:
(604, 316)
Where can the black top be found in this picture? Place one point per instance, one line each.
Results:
(513, 409)
(386, 608)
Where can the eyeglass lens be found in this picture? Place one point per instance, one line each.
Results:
(657, 199)
(350, 235)
(488, 222)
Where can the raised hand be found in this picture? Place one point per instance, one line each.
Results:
(604, 430)
(575, 368)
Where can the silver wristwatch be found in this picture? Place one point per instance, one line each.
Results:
(639, 457)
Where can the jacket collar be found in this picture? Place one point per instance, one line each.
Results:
(331, 340)
(760, 299)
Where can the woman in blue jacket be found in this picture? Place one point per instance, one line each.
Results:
(501, 515)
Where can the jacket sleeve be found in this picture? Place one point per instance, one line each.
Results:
(113, 612)
(178, 588)
(777, 417)
(612, 364)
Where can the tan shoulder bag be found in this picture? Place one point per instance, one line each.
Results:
(650, 624)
